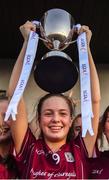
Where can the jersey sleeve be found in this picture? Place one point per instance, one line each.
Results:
(24, 156)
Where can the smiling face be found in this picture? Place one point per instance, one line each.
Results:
(77, 126)
(55, 119)
(5, 133)
(106, 127)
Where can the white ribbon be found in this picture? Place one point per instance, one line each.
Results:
(24, 76)
(86, 104)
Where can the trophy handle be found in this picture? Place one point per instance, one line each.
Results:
(71, 33)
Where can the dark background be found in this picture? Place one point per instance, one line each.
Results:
(94, 13)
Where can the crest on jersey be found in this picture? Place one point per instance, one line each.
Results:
(69, 157)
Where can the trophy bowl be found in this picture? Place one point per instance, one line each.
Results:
(55, 28)
(55, 72)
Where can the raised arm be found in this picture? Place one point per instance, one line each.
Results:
(25, 30)
(95, 92)
(19, 127)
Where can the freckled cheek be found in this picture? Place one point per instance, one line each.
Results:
(68, 122)
(45, 121)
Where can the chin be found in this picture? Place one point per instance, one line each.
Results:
(6, 138)
(56, 138)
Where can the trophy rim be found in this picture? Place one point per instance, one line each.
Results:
(56, 53)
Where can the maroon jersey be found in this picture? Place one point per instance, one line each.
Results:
(37, 161)
(4, 173)
(8, 169)
(99, 167)
(104, 154)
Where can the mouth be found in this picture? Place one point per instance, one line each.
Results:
(55, 128)
(4, 130)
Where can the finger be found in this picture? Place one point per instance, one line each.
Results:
(28, 26)
(83, 29)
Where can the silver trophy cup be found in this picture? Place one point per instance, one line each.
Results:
(56, 73)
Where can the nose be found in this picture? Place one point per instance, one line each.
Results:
(55, 118)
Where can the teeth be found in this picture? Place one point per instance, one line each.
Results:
(55, 128)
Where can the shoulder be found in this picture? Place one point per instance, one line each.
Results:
(80, 143)
(99, 168)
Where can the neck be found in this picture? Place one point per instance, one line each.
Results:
(55, 146)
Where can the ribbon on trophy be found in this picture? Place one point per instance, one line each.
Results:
(86, 105)
(25, 73)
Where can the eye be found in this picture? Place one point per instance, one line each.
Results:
(63, 113)
(47, 113)
(78, 128)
